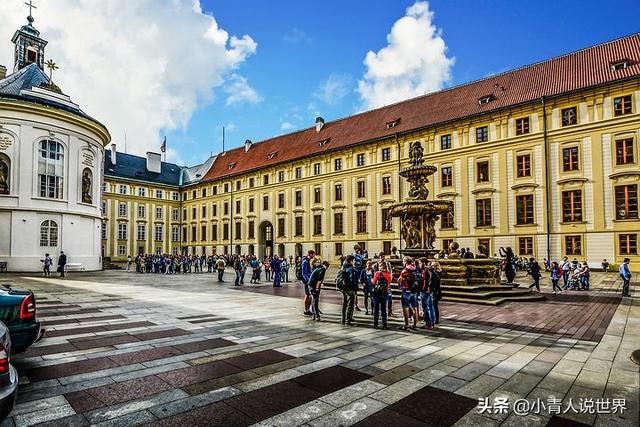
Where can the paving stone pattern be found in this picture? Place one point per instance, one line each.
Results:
(125, 349)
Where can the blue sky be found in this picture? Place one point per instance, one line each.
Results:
(302, 44)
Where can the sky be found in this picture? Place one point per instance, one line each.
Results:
(185, 69)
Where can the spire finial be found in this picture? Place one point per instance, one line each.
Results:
(31, 6)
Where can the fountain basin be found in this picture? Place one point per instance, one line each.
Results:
(420, 207)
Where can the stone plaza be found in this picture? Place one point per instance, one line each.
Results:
(149, 349)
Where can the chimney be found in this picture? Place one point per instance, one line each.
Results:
(153, 162)
(3, 72)
(113, 154)
(247, 145)
(319, 123)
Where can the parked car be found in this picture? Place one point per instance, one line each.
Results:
(18, 313)
(8, 375)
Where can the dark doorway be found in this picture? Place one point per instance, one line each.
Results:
(265, 240)
(299, 250)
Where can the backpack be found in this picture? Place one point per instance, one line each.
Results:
(380, 288)
(358, 261)
(416, 283)
(340, 282)
(434, 283)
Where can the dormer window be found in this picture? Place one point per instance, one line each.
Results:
(485, 99)
(231, 165)
(324, 142)
(271, 155)
(620, 64)
(393, 123)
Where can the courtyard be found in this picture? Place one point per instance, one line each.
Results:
(129, 349)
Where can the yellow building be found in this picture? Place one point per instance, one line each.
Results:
(543, 159)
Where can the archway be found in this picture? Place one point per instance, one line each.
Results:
(265, 240)
(238, 250)
(251, 251)
(281, 250)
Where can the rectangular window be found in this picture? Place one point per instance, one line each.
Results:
(194, 236)
(184, 214)
(624, 151)
(122, 250)
(316, 168)
(214, 232)
(225, 231)
(251, 232)
(226, 208)
(204, 211)
(159, 234)
(281, 230)
(482, 134)
(360, 159)
(103, 209)
(265, 179)
(203, 232)
(193, 194)
(252, 182)
(482, 170)
(299, 226)
(522, 126)
(142, 192)
(317, 247)
(158, 213)
(572, 206)
(122, 231)
(569, 116)
(337, 164)
(445, 142)
(141, 232)
(573, 245)
(337, 249)
(251, 204)
(317, 224)
(238, 185)
(447, 220)
(446, 175)
(362, 189)
(361, 222)
(386, 247)
(627, 201)
(524, 209)
(122, 209)
(204, 192)
(387, 221)
(194, 213)
(483, 212)
(317, 195)
(386, 154)
(265, 203)
(238, 206)
(338, 225)
(280, 176)
(122, 189)
(214, 190)
(622, 105)
(176, 196)
(525, 245)
(174, 234)
(570, 159)
(174, 214)
(159, 194)
(226, 187)
(184, 234)
(628, 244)
(298, 197)
(386, 185)
(214, 210)
(298, 172)
(338, 192)
(104, 231)
(446, 243)
(238, 231)
(523, 163)
(280, 200)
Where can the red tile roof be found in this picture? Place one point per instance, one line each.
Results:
(571, 72)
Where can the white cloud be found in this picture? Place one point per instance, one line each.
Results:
(239, 91)
(334, 88)
(133, 65)
(413, 63)
(286, 126)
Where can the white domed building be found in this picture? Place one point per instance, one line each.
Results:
(51, 157)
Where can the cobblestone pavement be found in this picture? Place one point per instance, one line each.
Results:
(129, 349)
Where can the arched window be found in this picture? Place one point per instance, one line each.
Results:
(50, 169)
(48, 233)
(5, 174)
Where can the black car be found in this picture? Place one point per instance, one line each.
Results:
(8, 375)
(18, 313)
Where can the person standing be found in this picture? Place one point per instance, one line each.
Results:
(534, 271)
(409, 298)
(285, 270)
(305, 271)
(62, 262)
(625, 273)
(556, 274)
(267, 269)
(128, 262)
(237, 267)
(220, 266)
(315, 285)
(366, 277)
(436, 289)
(426, 296)
(381, 282)
(47, 261)
(350, 287)
(585, 274)
(566, 268)
(389, 298)
(605, 265)
(276, 266)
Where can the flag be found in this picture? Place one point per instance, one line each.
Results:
(163, 147)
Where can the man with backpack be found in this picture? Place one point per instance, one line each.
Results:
(220, 265)
(380, 294)
(358, 264)
(566, 267)
(410, 282)
(429, 275)
(347, 282)
(315, 285)
(534, 271)
(305, 272)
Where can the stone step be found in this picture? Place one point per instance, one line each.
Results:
(495, 300)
